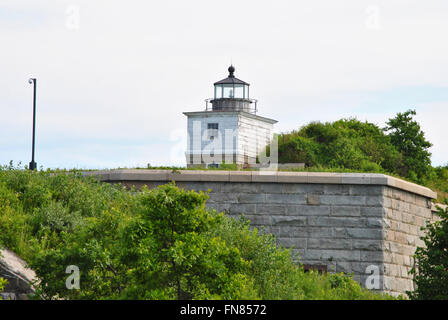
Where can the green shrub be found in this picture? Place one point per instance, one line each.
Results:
(347, 143)
(431, 268)
(3, 283)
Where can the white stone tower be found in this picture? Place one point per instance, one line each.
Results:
(230, 131)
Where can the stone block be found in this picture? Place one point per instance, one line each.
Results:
(394, 214)
(375, 200)
(346, 211)
(306, 210)
(187, 175)
(264, 176)
(402, 249)
(379, 179)
(389, 235)
(218, 197)
(313, 188)
(371, 256)
(292, 232)
(240, 187)
(405, 272)
(274, 209)
(386, 202)
(238, 208)
(400, 237)
(271, 188)
(367, 190)
(335, 221)
(215, 176)
(356, 178)
(324, 177)
(325, 243)
(407, 261)
(345, 267)
(312, 199)
(251, 198)
(342, 200)
(289, 220)
(286, 198)
(375, 222)
(336, 189)
(359, 233)
(240, 176)
(259, 220)
(298, 243)
(332, 255)
(372, 211)
(320, 232)
(292, 177)
(369, 245)
(392, 270)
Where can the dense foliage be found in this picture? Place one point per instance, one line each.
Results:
(344, 143)
(2, 284)
(431, 269)
(405, 134)
(149, 244)
(399, 149)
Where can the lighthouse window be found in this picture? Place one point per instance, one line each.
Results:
(212, 130)
(218, 92)
(239, 91)
(228, 91)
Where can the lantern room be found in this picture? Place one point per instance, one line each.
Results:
(232, 94)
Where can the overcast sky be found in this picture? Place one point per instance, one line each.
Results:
(115, 76)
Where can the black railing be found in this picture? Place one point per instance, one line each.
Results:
(246, 105)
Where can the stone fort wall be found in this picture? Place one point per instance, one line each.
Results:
(363, 224)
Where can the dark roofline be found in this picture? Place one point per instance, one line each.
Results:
(231, 80)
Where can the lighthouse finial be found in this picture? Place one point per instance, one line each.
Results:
(231, 71)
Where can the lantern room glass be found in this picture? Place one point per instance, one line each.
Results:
(228, 91)
(218, 91)
(231, 91)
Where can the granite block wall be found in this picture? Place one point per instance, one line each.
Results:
(368, 225)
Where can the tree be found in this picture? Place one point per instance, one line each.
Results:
(407, 136)
(178, 256)
(431, 269)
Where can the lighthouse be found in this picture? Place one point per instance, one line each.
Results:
(229, 130)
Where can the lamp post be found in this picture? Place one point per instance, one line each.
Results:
(33, 164)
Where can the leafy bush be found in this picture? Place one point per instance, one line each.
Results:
(431, 269)
(3, 283)
(346, 143)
